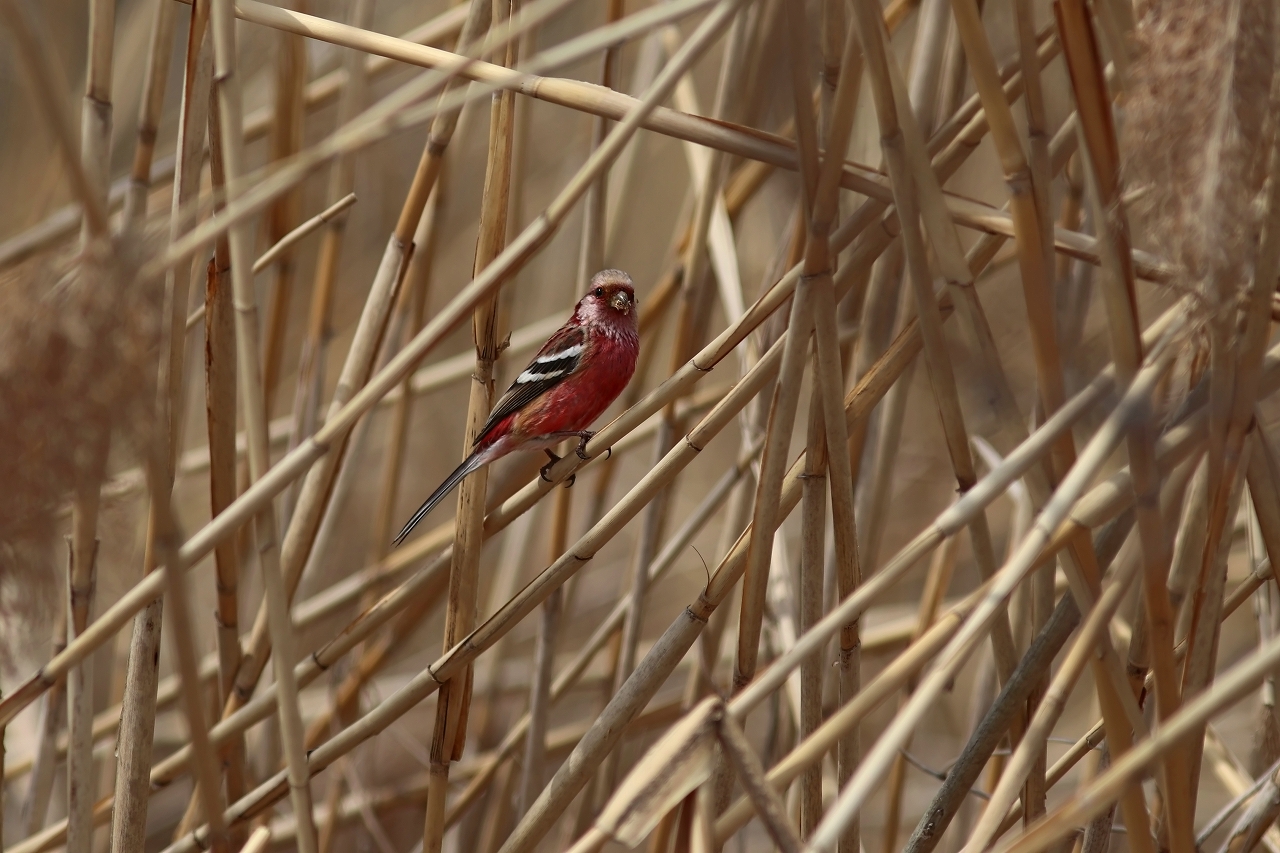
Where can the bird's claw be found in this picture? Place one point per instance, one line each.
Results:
(583, 438)
(545, 471)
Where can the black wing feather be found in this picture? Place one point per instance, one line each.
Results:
(538, 377)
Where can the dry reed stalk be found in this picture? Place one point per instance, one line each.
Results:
(165, 543)
(156, 76)
(425, 683)
(454, 700)
(531, 767)
(1232, 776)
(936, 582)
(106, 722)
(283, 141)
(35, 805)
(891, 111)
(1038, 138)
(317, 485)
(95, 154)
(751, 774)
(1102, 155)
(1029, 231)
(723, 136)
(1232, 686)
(699, 251)
(1234, 375)
(833, 439)
(962, 645)
(610, 626)
(351, 100)
(819, 195)
(417, 281)
(63, 222)
(1050, 708)
(987, 735)
(334, 213)
(676, 641)
(874, 692)
(414, 597)
(49, 87)
(1215, 823)
(81, 579)
(250, 378)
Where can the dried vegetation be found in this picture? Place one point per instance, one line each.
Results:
(933, 519)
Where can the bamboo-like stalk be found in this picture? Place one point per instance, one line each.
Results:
(351, 99)
(205, 760)
(1025, 682)
(417, 280)
(874, 692)
(1029, 231)
(95, 153)
(531, 768)
(592, 99)
(452, 706)
(751, 774)
(155, 78)
(35, 805)
(250, 378)
(220, 404)
(81, 575)
(1094, 110)
(611, 625)
(936, 582)
(1038, 138)
(284, 140)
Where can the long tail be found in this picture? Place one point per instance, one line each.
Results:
(470, 464)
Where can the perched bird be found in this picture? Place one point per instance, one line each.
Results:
(579, 371)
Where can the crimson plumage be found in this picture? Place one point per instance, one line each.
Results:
(579, 371)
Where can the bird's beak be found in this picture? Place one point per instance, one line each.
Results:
(620, 301)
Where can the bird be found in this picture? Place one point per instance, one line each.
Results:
(579, 371)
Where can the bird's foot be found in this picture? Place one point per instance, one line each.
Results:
(583, 438)
(545, 471)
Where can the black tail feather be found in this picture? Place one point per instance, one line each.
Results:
(470, 464)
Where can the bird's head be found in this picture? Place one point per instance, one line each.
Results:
(611, 299)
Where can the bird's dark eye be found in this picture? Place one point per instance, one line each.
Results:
(599, 292)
